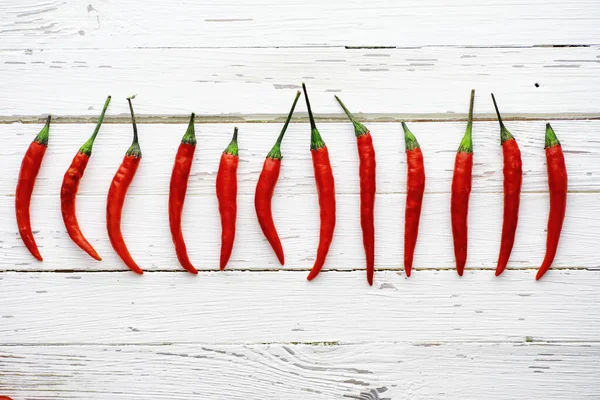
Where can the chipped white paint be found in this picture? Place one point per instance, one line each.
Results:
(251, 334)
(321, 372)
(229, 82)
(76, 24)
(264, 307)
(295, 203)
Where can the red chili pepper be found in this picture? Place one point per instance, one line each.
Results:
(178, 188)
(513, 177)
(266, 186)
(415, 187)
(227, 196)
(325, 191)
(367, 167)
(30, 166)
(70, 185)
(116, 197)
(5, 398)
(557, 184)
(461, 191)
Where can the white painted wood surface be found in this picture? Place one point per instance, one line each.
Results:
(264, 23)
(265, 307)
(275, 371)
(241, 83)
(74, 328)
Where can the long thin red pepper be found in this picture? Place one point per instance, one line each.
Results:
(70, 185)
(227, 197)
(116, 197)
(461, 191)
(30, 166)
(557, 184)
(325, 191)
(366, 170)
(266, 186)
(415, 187)
(513, 177)
(178, 188)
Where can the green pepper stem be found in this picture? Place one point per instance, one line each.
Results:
(87, 146)
(275, 152)
(359, 129)
(466, 144)
(232, 148)
(410, 140)
(316, 141)
(190, 134)
(134, 150)
(504, 133)
(551, 139)
(42, 137)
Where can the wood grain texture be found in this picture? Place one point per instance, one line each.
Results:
(154, 23)
(235, 83)
(264, 307)
(374, 371)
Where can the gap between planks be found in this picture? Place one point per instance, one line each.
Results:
(316, 46)
(526, 341)
(280, 118)
(278, 270)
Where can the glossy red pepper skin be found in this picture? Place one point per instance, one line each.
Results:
(557, 185)
(325, 191)
(227, 198)
(367, 174)
(461, 192)
(30, 167)
(366, 154)
(116, 198)
(70, 186)
(177, 191)
(266, 186)
(262, 204)
(68, 193)
(327, 204)
(114, 208)
(415, 188)
(513, 178)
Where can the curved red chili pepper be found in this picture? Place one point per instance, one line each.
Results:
(366, 170)
(265, 188)
(227, 197)
(325, 191)
(70, 185)
(30, 166)
(461, 191)
(557, 184)
(178, 188)
(116, 197)
(513, 177)
(415, 187)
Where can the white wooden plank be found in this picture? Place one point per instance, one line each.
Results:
(260, 307)
(295, 203)
(146, 231)
(439, 142)
(275, 371)
(118, 24)
(229, 82)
